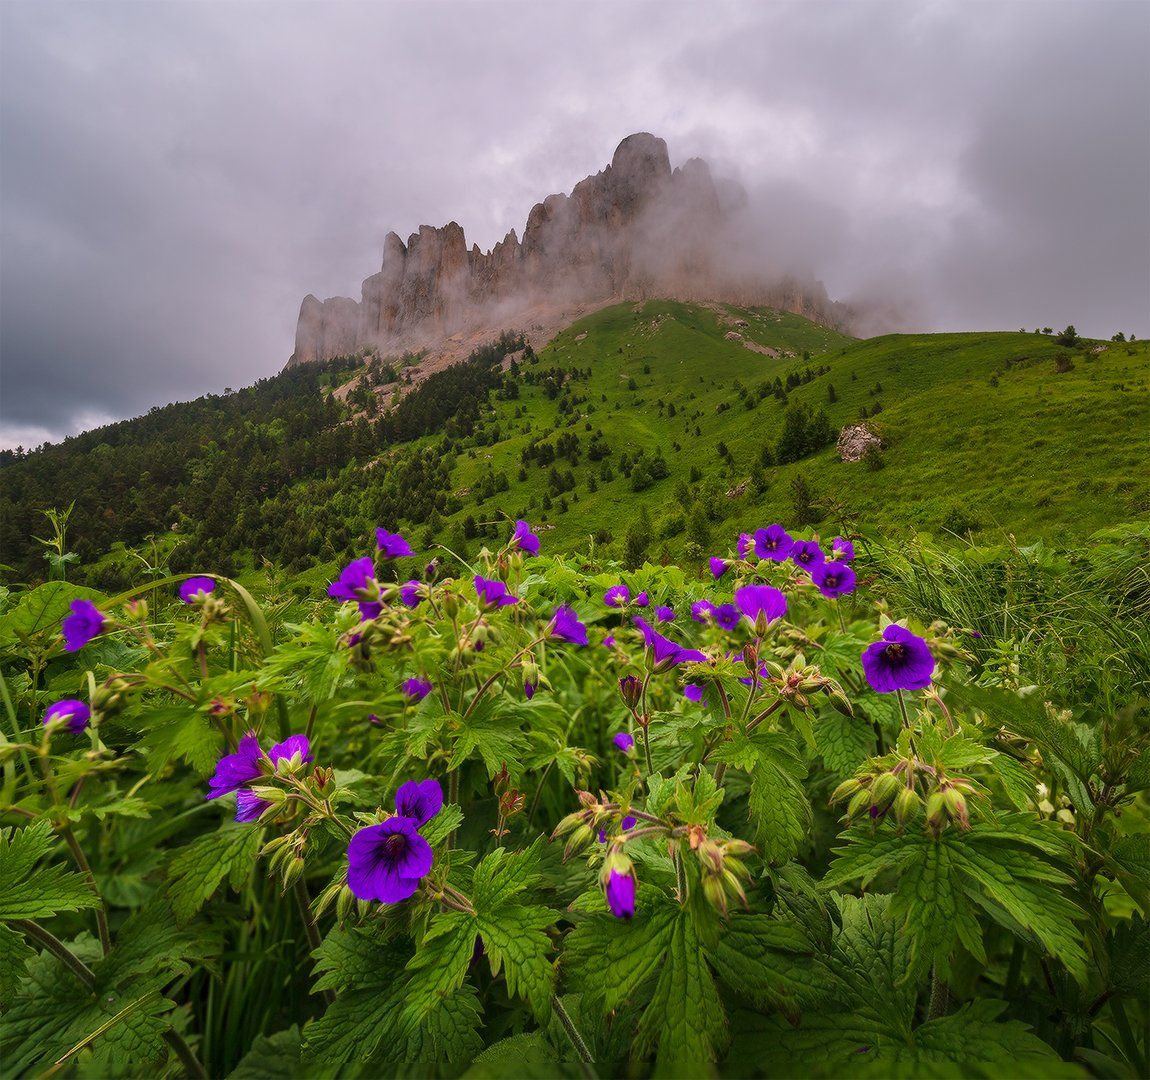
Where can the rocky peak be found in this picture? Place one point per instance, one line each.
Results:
(634, 230)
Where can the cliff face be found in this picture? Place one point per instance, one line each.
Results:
(634, 231)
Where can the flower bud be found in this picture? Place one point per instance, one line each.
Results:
(859, 803)
(581, 838)
(715, 894)
(845, 789)
(906, 804)
(936, 811)
(292, 871)
(711, 857)
(344, 903)
(631, 690)
(569, 824)
(956, 806)
(884, 789)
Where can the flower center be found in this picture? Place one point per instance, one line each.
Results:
(831, 581)
(895, 652)
(395, 844)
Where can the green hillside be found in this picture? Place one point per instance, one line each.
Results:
(644, 429)
(981, 431)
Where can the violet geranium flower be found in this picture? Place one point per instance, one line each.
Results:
(843, 549)
(233, 771)
(901, 661)
(194, 589)
(392, 545)
(415, 690)
(84, 623)
(249, 806)
(834, 579)
(621, 894)
(702, 610)
(616, 596)
(386, 862)
(694, 693)
(409, 594)
(524, 539)
(565, 626)
(745, 544)
(623, 740)
(774, 543)
(807, 554)
(295, 749)
(718, 567)
(664, 613)
(357, 582)
(761, 604)
(493, 593)
(726, 615)
(72, 713)
(667, 653)
(419, 800)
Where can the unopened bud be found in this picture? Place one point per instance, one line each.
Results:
(292, 871)
(956, 806)
(845, 790)
(715, 894)
(884, 789)
(344, 903)
(631, 690)
(906, 804)
(936, 810)
(579, 839)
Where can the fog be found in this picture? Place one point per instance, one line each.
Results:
(175, 177)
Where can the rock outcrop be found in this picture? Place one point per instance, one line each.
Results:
(856, 441)
(638, 229)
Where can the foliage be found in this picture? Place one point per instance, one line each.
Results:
(954, 881)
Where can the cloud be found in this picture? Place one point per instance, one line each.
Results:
(176, 177)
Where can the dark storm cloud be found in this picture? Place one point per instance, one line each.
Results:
(176, 177)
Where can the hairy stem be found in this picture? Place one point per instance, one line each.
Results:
(577, 1040)
(939, 996)
(87, 976)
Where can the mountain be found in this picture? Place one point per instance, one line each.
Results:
(634, 231)
(645, 428)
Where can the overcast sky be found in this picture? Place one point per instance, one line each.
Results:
(175, 177)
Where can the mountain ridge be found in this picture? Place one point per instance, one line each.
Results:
(636, 230)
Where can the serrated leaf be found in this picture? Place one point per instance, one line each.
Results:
(27, 892)
(199, 869)
(14, 955)
(272, 1057)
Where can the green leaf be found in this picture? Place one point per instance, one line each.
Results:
(28, 893)
(271, 1057)
(770, 962)
(198, 870)
(14, 955)
(39, 611)
(526, 1057)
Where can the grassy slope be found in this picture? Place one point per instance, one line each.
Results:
(1039, 453)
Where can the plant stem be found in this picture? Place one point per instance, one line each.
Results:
(572, 1032)
(314, 941)
(902, 708)
(647, 748)
(680, 875)
(939, 996)
(88, 977)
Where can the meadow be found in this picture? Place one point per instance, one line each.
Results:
(813, 806)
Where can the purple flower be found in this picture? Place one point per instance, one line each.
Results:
(630, 690)
(621, 894)
(834, 578)
(524, 539)
(609, 641)
(194, 589)
(702, 610)
(249, 806)
(392, 545)
(718, 567)
(409, 594)
(726, 615)
(665, 613)
(529, 689)
(235, 770)
(565, 626)
(369, 609)
(75, 713)
(493, 593)
(616, 596)
(292, 747)
(693, 693)
(844, 549)
(85, 623)
(356, 581)
(628, 823)
(415, 690)
(642, 600)
(773, 542)
(667, 652)
(623, 740)
(901, 661)
(807, 554)
(746, 542)
(762, 604)
(386, 862)
(419, 800)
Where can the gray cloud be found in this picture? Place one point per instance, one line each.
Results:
(175, 177)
